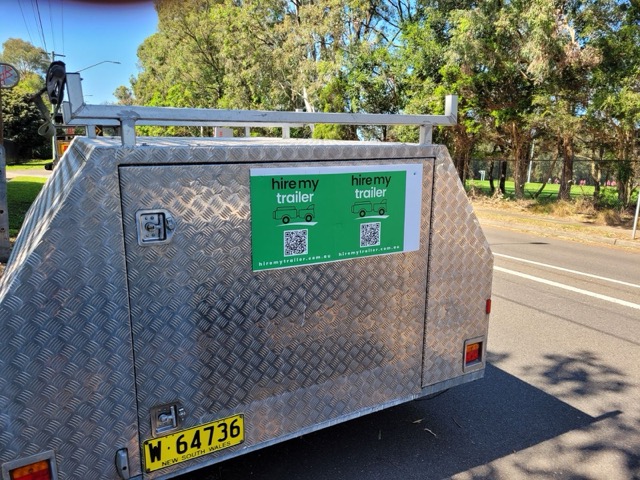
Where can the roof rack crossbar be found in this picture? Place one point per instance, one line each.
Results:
(76, 112)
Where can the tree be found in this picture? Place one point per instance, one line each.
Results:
(24, 56)
(543, 70)
(21, 118)
(614, 111)
(474, 50)
(124, 95)
(21, 122)
(321, 55)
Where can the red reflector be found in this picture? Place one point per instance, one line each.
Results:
(35, 471)
(473, 353)
(487, 308)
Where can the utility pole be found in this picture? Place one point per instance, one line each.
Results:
(5, 244)
(54, 140)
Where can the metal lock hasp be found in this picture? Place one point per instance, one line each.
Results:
(154, 227)
(166, 418)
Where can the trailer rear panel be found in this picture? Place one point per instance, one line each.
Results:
(138, 322)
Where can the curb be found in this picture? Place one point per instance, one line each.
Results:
(27, 173)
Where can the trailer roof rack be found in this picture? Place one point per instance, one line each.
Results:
(76, 112)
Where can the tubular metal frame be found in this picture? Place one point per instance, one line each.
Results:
(76, 112)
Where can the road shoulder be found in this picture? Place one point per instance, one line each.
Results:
(571, 229)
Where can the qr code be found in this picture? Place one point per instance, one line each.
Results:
(370, 234)
(296, 242)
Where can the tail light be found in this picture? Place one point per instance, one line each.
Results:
(41, 466)
(35, 471)
(473, 354)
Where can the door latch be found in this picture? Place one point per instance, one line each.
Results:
(154, 227)
(165, 418)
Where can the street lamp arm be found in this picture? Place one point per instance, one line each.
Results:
(99, 63)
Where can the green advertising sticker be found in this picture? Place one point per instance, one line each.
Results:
(302, 216)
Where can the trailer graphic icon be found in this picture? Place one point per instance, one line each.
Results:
(288, 213)
(365, 207)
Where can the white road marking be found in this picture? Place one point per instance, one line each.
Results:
(606, 279)
(571, 289)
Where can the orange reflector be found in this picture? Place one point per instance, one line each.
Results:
(488, 306)
(35, 471)
(472, 353)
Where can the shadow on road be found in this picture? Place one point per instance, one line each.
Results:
(463, 428)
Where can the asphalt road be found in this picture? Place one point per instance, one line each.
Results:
(560, 398)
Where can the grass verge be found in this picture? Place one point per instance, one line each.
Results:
(21, 192)
(608, 197)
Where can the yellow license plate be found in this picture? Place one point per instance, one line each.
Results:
(193, 443)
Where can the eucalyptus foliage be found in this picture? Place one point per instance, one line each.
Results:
(559, 76)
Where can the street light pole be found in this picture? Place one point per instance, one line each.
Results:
(96, 64)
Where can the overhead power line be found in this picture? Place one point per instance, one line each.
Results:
(39, 19)
(53, 32)
(62, 22)
(24, 19)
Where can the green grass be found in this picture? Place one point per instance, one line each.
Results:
(550, 189)
(608, 195)
(30, 165)
(21, 192)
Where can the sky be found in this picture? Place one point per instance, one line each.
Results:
(86, 33)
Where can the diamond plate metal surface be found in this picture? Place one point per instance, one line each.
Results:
(66, 375)
(460, 272)
(292, 349)
(288, 348)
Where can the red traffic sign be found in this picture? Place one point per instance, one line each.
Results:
(9, 76)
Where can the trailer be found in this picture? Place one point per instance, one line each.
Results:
(156, 319)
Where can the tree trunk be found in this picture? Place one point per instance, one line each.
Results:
(624, 176)
(492, 186)
(519, 148)
(520, 173)
(566, 180)
(462, 165)
(462, 146)
(503, 177)
(596, 175)
(546, 177)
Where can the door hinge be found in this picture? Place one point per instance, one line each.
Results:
(122, 463)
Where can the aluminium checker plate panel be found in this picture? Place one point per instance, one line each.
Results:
(66, 358)
(291, 348)
(67, 376)
(460, 272)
